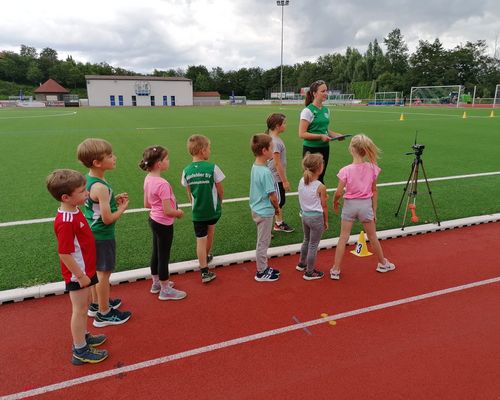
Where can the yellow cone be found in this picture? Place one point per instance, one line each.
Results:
(465, 115)
(402, 117)
(361, 249)
(492, 114)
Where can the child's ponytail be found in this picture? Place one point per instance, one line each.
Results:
(311, 164)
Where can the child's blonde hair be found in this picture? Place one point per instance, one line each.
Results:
(64, 181)
(91, 150)
(260, 142)
(365, 147)
(275, 120)
(197, 143)
(151, 156)
(311, 164)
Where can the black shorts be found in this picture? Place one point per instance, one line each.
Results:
(105, 255)
(72, 286)
(201, 227)
(281, 194)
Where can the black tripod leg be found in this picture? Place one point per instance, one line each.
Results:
(405, 188)
(412, 192)
(430, 194)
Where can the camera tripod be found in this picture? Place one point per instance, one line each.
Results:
(410, 189)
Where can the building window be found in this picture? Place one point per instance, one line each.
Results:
(134, 101)
(152, 101)
(120, 100)
(165, 100)
(172, 100)
(112, 100)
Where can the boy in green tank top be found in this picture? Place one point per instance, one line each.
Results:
(203, 183)
(102, 209)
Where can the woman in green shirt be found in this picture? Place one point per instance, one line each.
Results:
(313, 126)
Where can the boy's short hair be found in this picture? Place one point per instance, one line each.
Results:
(260, 142)
(91, 150)
(196, 143)
(64, 181)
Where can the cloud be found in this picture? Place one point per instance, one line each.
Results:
(164, 34)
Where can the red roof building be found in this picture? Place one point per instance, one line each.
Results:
(50, 90)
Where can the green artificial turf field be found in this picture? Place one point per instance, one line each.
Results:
(33, 142)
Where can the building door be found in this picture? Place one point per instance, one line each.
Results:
(112, 100)
(172, 100)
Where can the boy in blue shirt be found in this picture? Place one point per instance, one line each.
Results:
(264, 204)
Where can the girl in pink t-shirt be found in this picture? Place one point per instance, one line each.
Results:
(358, 185)
(159, 197)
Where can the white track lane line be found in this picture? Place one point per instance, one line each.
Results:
(242, 199)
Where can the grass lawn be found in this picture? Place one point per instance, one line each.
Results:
(34, 142)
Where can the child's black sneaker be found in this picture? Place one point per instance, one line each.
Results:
(301, 267)
(315, 274)
(113, 317)
(268, 275)
(208, 276)
(88, 355)
(283, 227)
(93, 307)
(95, 340)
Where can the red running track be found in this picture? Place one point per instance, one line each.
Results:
(445, 346)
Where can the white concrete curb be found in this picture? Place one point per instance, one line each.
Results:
(50, 289)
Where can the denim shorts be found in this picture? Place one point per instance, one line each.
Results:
(357, 209)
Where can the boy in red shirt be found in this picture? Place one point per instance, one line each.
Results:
(77, 253)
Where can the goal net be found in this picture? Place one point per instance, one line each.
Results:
(237, 100)
(451, 96)
(343, 99)
(388, 98)
(496, 99)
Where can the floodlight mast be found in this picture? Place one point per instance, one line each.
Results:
(282, 4)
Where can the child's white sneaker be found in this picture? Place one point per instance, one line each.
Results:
(334, 274)
(386, 267)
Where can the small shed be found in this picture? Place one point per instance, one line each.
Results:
(50, 91)
(206, 99)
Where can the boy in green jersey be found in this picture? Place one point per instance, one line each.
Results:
(102, 209)
(203, 183)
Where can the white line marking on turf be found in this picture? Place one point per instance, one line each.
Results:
(241, 199)
(40, 116)
(241, 340)
(195, 126)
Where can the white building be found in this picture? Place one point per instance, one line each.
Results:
(140, 91)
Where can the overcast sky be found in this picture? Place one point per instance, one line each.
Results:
(163, 34)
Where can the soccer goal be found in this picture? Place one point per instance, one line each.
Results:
(451, 95)
(496, 99)
(344, 99)
(237, 100)
(388, 99)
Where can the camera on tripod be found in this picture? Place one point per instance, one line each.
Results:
(418, 149)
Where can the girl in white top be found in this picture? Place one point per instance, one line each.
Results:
(359, 180)
(314, 212)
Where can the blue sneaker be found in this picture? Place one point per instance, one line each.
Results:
(268, 275)
(88, 355)
(113, 317)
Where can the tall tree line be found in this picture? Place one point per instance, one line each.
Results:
(362, 73)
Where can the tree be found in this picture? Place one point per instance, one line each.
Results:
(47, 62)
(397, 52)
(27, 51)
(428, 64)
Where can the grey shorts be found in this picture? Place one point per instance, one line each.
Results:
(105, 255)
(357, 209)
